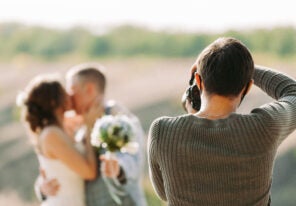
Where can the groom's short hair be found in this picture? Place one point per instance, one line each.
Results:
(226, 67)
(89, 72)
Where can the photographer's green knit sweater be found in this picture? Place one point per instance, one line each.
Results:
(196, 161)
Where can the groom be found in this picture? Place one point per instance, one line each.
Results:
(86, 85)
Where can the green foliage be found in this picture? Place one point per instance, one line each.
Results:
(152, 199)
(284, 181)
(98, 46)
(125, 41)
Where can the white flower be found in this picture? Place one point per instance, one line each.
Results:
(131, 148)
(114, 131)
(21, 98)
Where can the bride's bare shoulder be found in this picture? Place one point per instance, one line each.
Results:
(52, 133)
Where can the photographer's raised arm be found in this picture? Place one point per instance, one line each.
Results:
(275, 84)
(279, 117)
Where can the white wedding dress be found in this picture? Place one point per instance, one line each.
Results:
(71, 191)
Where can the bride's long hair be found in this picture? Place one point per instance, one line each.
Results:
(44, 95)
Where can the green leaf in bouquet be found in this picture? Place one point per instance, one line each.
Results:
(103, 134)
(116, 130)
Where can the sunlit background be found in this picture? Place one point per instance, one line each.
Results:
(148, 48)
(187, 15)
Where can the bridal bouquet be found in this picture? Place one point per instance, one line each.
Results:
(113, 133)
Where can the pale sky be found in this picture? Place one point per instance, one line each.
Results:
(192, 15)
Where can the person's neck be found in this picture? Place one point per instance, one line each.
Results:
(60, 117)
(217, 107)
(96, 101)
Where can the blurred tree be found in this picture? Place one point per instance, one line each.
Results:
(133, 41)
(284, 41)
(98, 46)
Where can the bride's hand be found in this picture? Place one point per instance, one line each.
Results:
(109, 167)
(95, 111)
(72, 122)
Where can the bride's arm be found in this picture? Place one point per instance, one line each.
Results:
(56, 144)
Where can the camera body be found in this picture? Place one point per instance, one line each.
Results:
(193, 96)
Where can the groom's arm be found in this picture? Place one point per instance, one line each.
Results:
(40, 196)
(45, 187)
(112, 169)
(129, 167)
(131, 163)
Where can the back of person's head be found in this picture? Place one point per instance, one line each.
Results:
(42, 97)
(226, 67)
(89, 72)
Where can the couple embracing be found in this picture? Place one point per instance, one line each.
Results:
(71, 172)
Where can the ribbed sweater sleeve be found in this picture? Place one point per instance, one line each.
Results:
(279, 117)
(154, 169)
(275, 84)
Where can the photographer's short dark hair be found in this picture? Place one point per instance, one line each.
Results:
(226, 66)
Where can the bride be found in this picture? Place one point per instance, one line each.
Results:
(59, 156)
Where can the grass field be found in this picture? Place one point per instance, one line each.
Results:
(149, 87)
